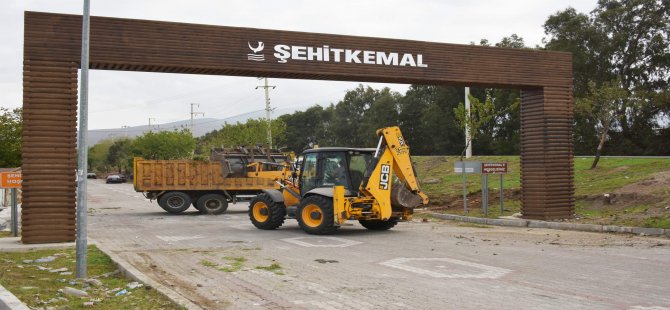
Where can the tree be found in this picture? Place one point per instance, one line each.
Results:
(11, 128)
(97, 156)
(304, 129)
(252, 132)
(350, 114)
(120, 155)
(602, 103)
(480, 114)
(620, 40)
(427, 120)
(164, 145)
(382, 112)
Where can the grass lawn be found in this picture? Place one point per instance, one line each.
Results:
(446, 190)
(38, 286)
(5, 234)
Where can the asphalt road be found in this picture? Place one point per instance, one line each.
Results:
(223, 261)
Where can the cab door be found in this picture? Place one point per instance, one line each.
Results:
(309, 173)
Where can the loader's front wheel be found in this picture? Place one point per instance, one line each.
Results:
(315, 215)
(265, 213)
(379, 225)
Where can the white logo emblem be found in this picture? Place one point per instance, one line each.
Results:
(255, 56)
(384, 177)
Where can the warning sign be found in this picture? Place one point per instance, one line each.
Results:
(10, 179)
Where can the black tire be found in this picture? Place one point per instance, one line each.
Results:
(316, 216)
(266, 213)
(379, 225)
(212, 204)
(174, 202)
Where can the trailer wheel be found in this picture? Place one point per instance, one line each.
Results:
(379, 225)
(316, 216)
(265, 213)
(174, 202)
(212, 204)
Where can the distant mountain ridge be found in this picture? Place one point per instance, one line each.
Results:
(201, 126)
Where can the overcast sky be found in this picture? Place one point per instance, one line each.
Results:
(130, 98)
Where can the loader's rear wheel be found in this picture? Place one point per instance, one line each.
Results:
(174, 202)
(265, 213)
(315, 215)
(379, 225)
(212, 204)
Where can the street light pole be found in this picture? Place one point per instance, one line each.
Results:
(468, 139)
(81, 238)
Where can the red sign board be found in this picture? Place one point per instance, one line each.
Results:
(10, 180)
(494, 168)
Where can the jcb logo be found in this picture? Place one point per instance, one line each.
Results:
(401, 141)
(384, 177)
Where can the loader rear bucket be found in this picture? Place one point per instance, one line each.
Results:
(401, 196)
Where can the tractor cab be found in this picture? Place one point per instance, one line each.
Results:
(324, 168)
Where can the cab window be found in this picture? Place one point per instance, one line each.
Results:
(335, 169)
(308, 173)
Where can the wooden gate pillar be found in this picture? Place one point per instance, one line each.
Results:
(49, 151)
(547, 174)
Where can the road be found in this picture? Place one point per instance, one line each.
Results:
(217, 262)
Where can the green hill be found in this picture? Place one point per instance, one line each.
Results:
(621, 191)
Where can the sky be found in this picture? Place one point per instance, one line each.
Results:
(118, 98)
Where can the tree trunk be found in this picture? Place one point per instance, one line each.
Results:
(600, 146)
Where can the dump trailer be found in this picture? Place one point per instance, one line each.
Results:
(378, 187)
(231, 175)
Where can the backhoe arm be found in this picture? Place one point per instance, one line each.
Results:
(402, 162)
(391, 157)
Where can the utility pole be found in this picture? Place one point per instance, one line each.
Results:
(193, 114)
(81, 246)
(468, 140)
(151, 118)
(268, 110)
(125, 130)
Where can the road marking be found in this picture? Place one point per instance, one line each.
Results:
(458, 272)
(178, 238)
(321, 242)
(648, 308)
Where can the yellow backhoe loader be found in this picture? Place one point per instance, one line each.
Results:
(378, 187)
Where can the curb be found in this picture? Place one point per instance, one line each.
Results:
(555, 225)
(131, 272)
(9, 301)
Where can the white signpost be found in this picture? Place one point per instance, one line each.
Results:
(477, 167)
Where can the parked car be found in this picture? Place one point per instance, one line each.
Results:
(113, 178)
(123, 177)
(91, 175)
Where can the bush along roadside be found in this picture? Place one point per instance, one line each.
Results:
(45, 280)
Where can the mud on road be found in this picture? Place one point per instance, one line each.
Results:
(223, 262)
